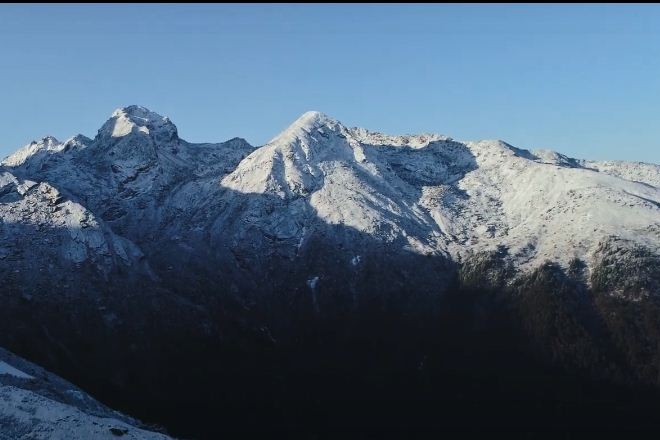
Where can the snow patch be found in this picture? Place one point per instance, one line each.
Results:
(5, 368)
(122, 127)
(40, 418)
(312, 282)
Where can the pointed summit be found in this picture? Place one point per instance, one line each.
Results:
(307, 123)
(138, 112)
(46, 145)
(290, 165)
(49, 141)
(136, 119)
(314, 119)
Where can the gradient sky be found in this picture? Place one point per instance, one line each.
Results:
(580, 79)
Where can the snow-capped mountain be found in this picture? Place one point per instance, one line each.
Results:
(437, 195)
(40, 224)
(428, 194)
(37, 404)
(136, 249)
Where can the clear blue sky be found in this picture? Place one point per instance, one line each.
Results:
(583, 80)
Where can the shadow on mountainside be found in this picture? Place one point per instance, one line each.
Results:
(261, 335)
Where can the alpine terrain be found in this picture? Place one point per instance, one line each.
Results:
(36, 404)
(334, 279)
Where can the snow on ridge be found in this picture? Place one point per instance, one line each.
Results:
(46, 145)
(541, 205)
(43, 406)
(7, 369)
(305, 124)
(647, 173)
(288, 165)
(27, 414)
(137, 111)
(136, 119)
(436, 194)
(409, 140)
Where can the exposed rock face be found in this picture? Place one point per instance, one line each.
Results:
(137, 249)
(46, 236)
(215, 204)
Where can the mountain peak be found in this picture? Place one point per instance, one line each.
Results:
(44, 145)
(138, 113)
(311, 120)
(136, 119)
(313, 117)
(305, 124)
(49, 141)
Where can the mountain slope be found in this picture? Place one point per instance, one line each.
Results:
(322, 206)
(428, 193)
(441, 196)
(554, 212)
(311, 268)
(43, 229)
(129, 172)
(37, 404)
